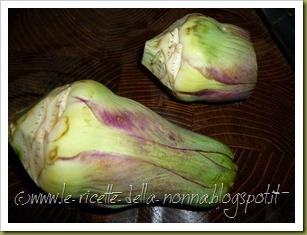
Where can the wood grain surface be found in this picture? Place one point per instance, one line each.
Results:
(52, 47)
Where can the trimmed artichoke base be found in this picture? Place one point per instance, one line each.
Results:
(28, 134)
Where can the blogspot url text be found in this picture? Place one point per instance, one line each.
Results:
(111, 197)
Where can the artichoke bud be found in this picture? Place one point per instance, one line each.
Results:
(84, 136)
(204, 60)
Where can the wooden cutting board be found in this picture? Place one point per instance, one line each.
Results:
(52, 47)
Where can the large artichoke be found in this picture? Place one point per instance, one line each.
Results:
(86, 137)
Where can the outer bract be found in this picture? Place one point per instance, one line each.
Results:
(199, 58)
(86, 137)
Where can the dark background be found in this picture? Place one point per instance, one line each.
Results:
(51, 47)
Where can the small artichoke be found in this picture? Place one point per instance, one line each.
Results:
(84, 136)
(201, 59)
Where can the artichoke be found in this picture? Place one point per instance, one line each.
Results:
(201, 59)
(84, 136)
